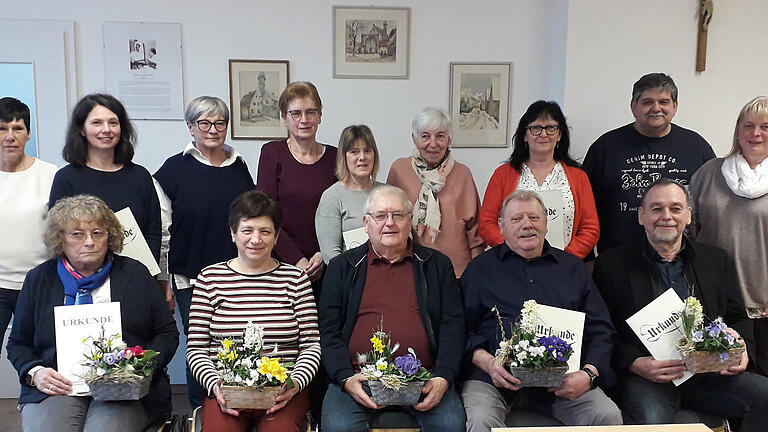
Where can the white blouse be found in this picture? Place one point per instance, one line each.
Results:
(556, 180)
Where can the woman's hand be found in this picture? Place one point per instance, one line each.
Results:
(285, 396)
(222, 403)
(315, 266)
(50, 382)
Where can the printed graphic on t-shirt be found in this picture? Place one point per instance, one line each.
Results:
(643, 169)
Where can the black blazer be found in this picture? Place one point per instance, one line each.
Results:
(146, 321)
(628, 280)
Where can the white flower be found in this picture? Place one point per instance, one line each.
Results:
(529, 316)
(253, 337)
(521, 356)
(238, 378)
(362, 358)
(524, 344)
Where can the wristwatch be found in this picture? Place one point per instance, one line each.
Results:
(592, 377)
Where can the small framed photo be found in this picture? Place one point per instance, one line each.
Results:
(370, 42)
(480, 94)
(254, 89)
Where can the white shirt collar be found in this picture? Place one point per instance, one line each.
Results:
(232, 154)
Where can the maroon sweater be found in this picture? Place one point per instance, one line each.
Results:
(297, 188)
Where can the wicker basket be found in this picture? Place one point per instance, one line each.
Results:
(407, 395)
(546, 377)
(703, 361)
(105, 390)
(238, 397)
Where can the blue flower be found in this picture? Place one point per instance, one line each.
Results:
(408, 363)
(723, 357)
(109, 358)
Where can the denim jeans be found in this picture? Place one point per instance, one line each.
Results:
(342, 414)
(78, 414)
(195, 391)
(743, 396)
(8, 299)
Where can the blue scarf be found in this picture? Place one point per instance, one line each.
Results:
(78, 290)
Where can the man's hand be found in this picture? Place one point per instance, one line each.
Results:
(499, 374)
(168, 292)
(434, 389)
(658, 371)
(222, 403)
(354, 386)
(742, 366)
(574, 385)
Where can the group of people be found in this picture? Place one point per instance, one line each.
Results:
(320, 253)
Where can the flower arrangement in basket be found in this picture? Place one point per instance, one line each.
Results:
(117, 372)
(393, 380)
(706, 348)
(535, 361)
(250, 379)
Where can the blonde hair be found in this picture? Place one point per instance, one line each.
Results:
(72, 210)
(348, 140)
(756, 107)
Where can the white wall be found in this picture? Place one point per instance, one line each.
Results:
(612, 43)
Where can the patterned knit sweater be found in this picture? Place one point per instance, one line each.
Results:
(280, 300)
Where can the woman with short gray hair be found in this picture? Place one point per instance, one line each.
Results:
(446, 203)
(195, 188)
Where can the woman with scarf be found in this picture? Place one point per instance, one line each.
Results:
(446, 203)
(730, 198)
(540, 162)
(85, 237)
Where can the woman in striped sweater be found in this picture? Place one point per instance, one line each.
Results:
(254, 287)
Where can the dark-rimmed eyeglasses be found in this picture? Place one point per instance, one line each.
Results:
(205, 125)
(311, 114)
(382, 216)
(536, 130)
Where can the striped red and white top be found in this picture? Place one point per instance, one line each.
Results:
(280, 301)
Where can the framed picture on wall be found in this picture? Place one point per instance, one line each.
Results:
(254, 89)
(480, 94)
(370, 42)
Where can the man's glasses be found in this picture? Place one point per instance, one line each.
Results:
(536, 130)
(205, 125)
(382, 216)
(311, 114)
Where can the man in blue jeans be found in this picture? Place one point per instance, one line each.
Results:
(631, 276)
(411, 293)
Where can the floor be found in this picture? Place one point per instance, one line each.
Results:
(10, 419)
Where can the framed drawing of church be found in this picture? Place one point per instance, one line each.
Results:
(480, 95)
(254, 89)
(370, 42)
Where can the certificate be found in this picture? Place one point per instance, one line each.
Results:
(134, 244)
(354, 238)
(659, 327)
(553, 200)
(75, 323)
(568, 325)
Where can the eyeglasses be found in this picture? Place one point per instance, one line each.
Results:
(311, 114)
(80, 236)
(536, 130)
(205, 125)
(382, 216)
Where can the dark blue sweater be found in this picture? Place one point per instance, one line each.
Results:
(200, 196)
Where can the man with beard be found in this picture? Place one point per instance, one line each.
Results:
(629, 277)
(624, 161)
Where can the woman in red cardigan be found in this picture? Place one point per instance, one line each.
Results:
(540, 162)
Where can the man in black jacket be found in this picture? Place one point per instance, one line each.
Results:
(404, 289)
(629, 277)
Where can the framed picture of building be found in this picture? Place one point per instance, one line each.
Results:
(370, 42)
(254, 89)
(480, 94)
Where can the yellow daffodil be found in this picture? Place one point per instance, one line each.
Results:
(226, 343)
(378, 346)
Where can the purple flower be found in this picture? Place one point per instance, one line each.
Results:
(723, 357)
(408, 363)
(109, 358)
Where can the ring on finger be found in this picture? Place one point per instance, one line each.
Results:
(51, 387)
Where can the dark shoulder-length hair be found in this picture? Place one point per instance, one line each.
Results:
(521, 153)
(76, 145)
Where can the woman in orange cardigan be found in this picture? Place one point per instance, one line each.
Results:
(540, 162)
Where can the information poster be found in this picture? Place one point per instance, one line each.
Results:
(142, 66)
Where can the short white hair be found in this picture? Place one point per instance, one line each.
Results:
(432, 118)
(387, 190)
